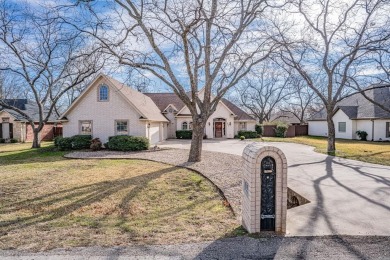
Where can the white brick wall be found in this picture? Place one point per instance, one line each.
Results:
(103, 115)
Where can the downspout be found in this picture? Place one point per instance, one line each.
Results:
(372, 130)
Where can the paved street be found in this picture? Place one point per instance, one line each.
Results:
(347, 197)
(234, 248)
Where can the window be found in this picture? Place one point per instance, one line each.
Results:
(103, 93)
(86, 127)
(184, 126)
(387, 129)
(342, 127)
(5, 119)
(121, 127)
(243, 126)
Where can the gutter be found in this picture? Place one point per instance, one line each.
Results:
(372, 130)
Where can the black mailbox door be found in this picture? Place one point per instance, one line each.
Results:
(268, 181)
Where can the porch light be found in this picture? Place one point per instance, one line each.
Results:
(209, 123)
(230, 123)
(148, 125)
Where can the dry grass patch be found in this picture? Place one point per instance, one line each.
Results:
(372, 152)
(49, 202)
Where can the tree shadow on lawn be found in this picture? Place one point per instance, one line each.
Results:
(45, 154)
(73, 199)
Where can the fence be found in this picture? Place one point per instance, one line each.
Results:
(293, 130)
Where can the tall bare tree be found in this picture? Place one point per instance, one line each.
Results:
(189, 46)
(331, 39)
(263, 90)
(44, 56)
(302, 102)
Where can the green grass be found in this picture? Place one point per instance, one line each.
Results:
(372, 152)
(47, 201)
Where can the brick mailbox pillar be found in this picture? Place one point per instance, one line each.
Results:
(264, 196)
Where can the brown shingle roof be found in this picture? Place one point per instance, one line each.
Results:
(162, 100)
(241, 115)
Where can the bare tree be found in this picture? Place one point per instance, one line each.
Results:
(189, 46)
(302, 101)
(263, 89)
(331, 40)
(44, 56)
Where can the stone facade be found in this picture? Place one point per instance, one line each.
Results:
(251, 180)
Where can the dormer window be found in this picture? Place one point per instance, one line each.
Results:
(103, 93)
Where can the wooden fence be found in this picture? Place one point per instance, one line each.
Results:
(293, 130)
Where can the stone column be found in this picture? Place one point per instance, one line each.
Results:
(253, 156)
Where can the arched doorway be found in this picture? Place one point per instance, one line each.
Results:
(219, 127)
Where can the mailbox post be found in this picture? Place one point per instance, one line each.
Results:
(264, 198)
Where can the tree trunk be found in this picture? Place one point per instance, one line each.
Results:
(331, 135)
(36, 142)
(197, 141)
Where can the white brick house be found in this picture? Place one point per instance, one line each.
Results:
(356, 113)
(108, 107)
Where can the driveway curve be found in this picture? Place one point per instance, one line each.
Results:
(347, 197)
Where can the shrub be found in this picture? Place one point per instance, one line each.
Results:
(96, 144)
(362, 135)
(2, 140)
(56, 140)
(259, 129)
(81, 142)
(242, 138)
(65, 143)
(184, 134)
(13, 140)
(128, 143)
(281, 130)
(247, 134)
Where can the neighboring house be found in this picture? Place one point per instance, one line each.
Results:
(355, 113)
(108, 107)
(285, 117)
(14, 125)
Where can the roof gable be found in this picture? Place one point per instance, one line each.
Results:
(140, 102)
(356, 106)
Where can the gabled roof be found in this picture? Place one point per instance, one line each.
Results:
(163, 100)
(284, 116)
(140, 102)
(356, 106)
(241, 114)
(27, 106)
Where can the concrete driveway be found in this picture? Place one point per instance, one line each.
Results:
(347, 197)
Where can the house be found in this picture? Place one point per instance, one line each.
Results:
(14, 125)
(284, 117)
(107, 107)
(356, 113)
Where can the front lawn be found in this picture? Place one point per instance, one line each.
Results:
(372, 152)
(47, 201)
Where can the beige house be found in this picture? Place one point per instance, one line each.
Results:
(108, 107)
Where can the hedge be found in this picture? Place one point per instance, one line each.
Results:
(76, 142)
(64, 143)
(184, 134)
(247, 134)
(128, 143)
(81, 142)
(259, 129)
(281, 130)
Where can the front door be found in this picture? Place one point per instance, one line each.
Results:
(218, 129)
(268, 176)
